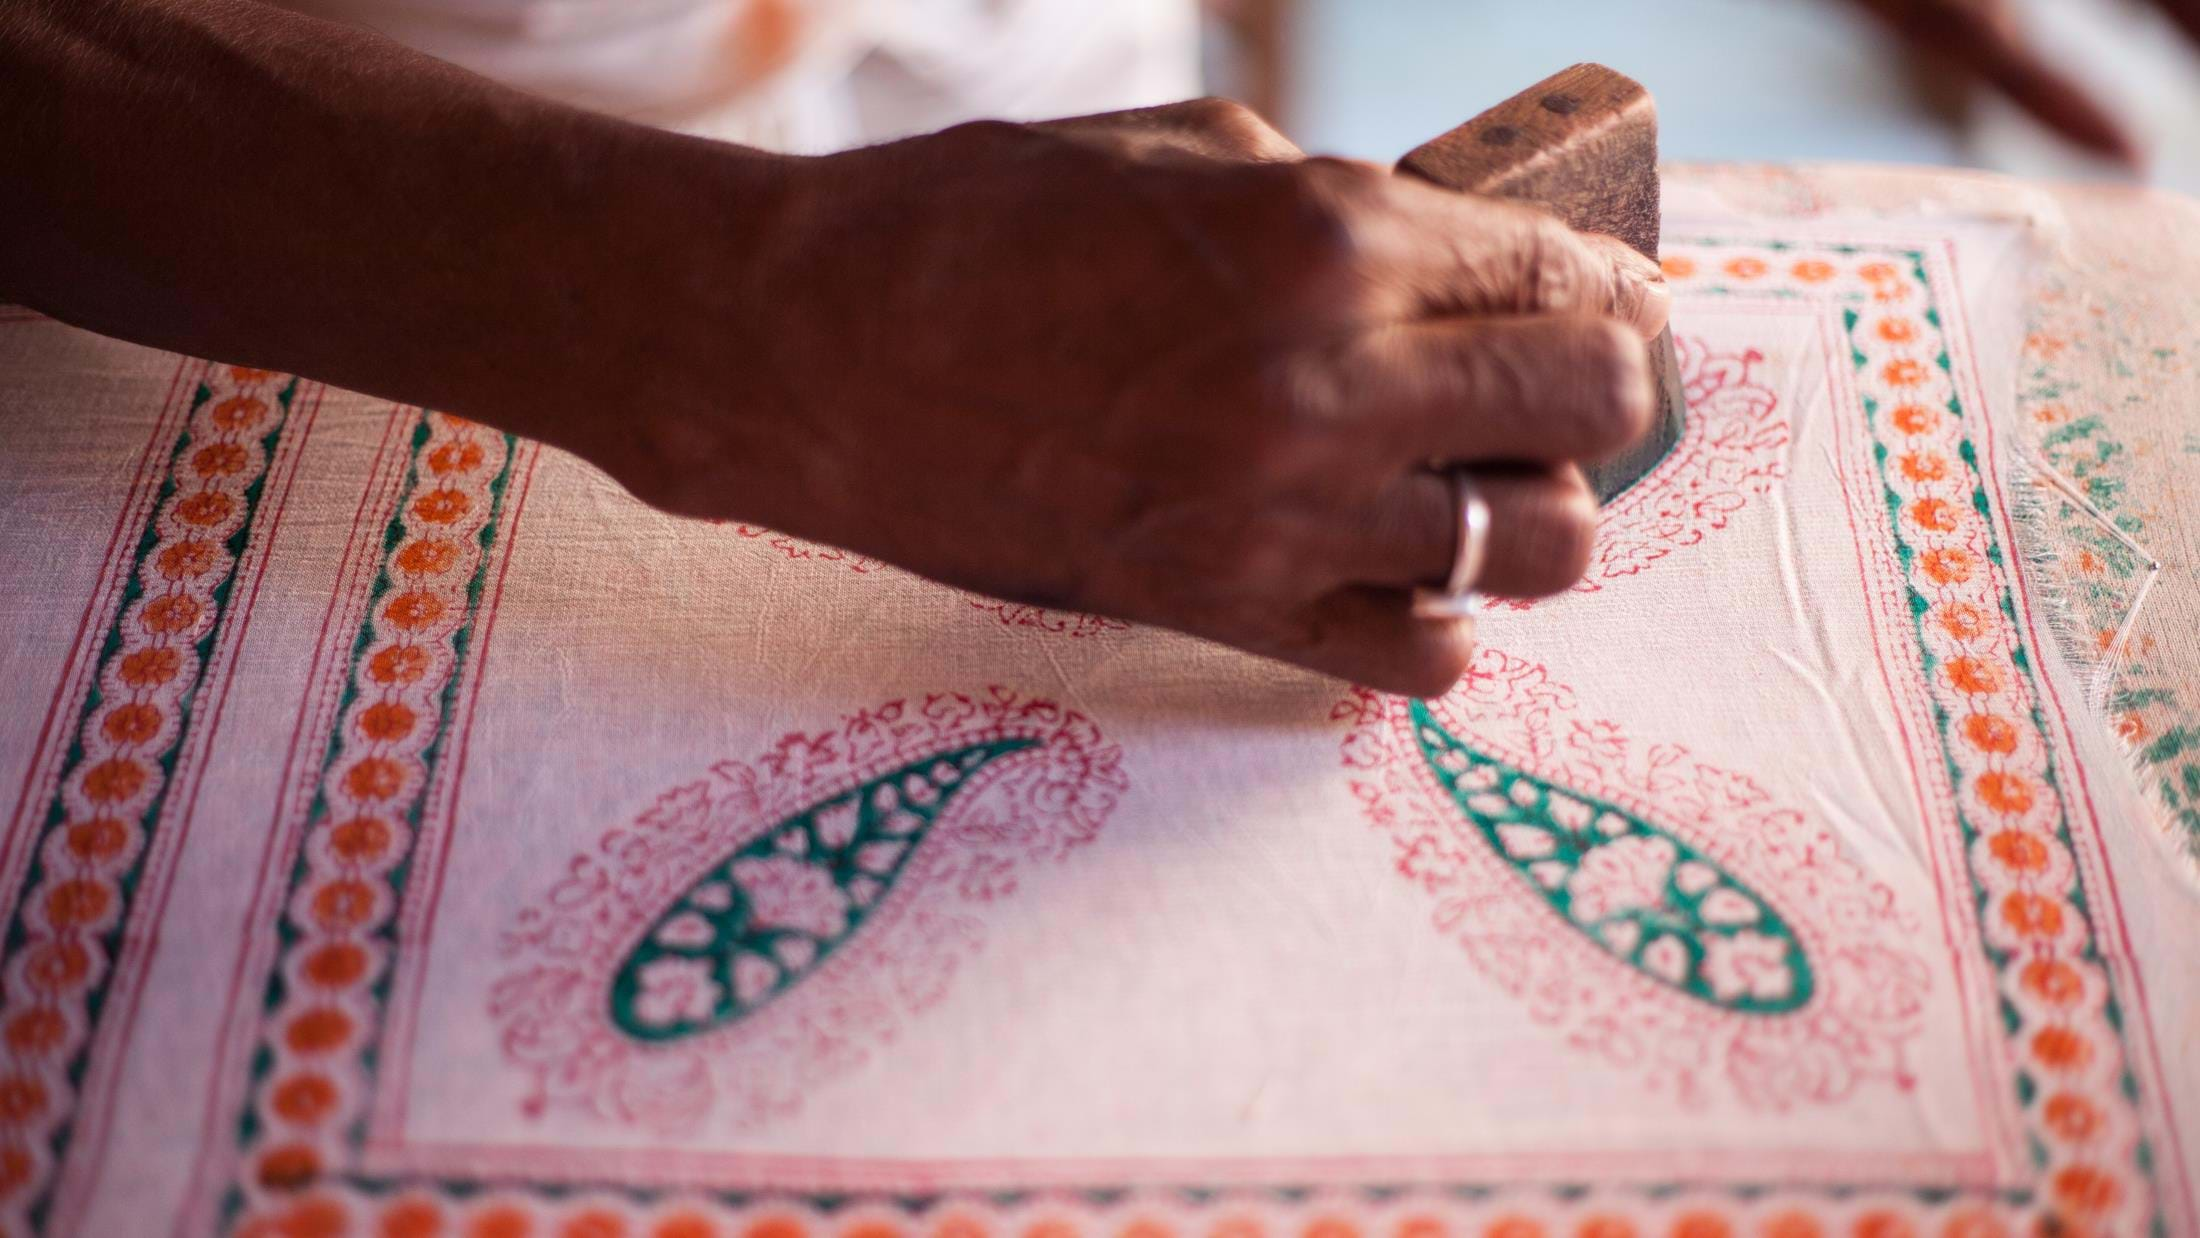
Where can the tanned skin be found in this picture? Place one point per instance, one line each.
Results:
(1158, 364)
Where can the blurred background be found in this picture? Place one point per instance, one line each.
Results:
(1763, 80)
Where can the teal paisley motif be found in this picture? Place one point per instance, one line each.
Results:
(1639, 892)
(759, 921)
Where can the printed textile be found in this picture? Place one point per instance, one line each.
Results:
(2108, 408)
(414, 835)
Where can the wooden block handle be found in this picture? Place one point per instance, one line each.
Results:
(1582, 144)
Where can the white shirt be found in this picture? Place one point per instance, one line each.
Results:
(810, 75)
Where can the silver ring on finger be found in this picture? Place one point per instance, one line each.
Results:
(1457, 599)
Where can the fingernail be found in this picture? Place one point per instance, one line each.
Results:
(1652, 306)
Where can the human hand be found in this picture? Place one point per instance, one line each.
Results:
(1158, 365)
(1985, 40)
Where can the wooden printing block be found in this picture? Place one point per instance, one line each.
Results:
(1583, 145)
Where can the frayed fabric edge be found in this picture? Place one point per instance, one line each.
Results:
(2037, 492)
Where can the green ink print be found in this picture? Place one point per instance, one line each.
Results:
(1640, 893)
(767, 916)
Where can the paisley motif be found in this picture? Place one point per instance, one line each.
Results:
(759, 921)
(1642, 894)
(775, 922)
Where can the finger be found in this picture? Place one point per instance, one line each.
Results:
(1452, 253)
(1207, 128)
(2186, 13)
(1370, 636)
(1641, 298)
(1986, 41)
(1551, 389)
(1542, 530)
(2052, 98)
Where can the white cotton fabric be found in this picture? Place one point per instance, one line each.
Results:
(1226, 932)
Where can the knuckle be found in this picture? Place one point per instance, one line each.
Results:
(1573, 534)
(1554, 275)
(1328, 262)
(1344, 175)
(1324, 214)
(1216, 114)
(1307, 394)
(1342, 188)
(1502, 371)
(1552, 543)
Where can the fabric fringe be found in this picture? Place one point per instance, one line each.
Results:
(2043, 503)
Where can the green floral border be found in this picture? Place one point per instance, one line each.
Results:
(2096, 576)
(128, 880)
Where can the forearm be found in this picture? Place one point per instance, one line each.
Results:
(1149, 365)
(223, 178)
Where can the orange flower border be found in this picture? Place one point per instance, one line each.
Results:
(314, 1064)
(91, 852)
(2075, 1073)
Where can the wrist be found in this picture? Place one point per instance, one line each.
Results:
(661, 337)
